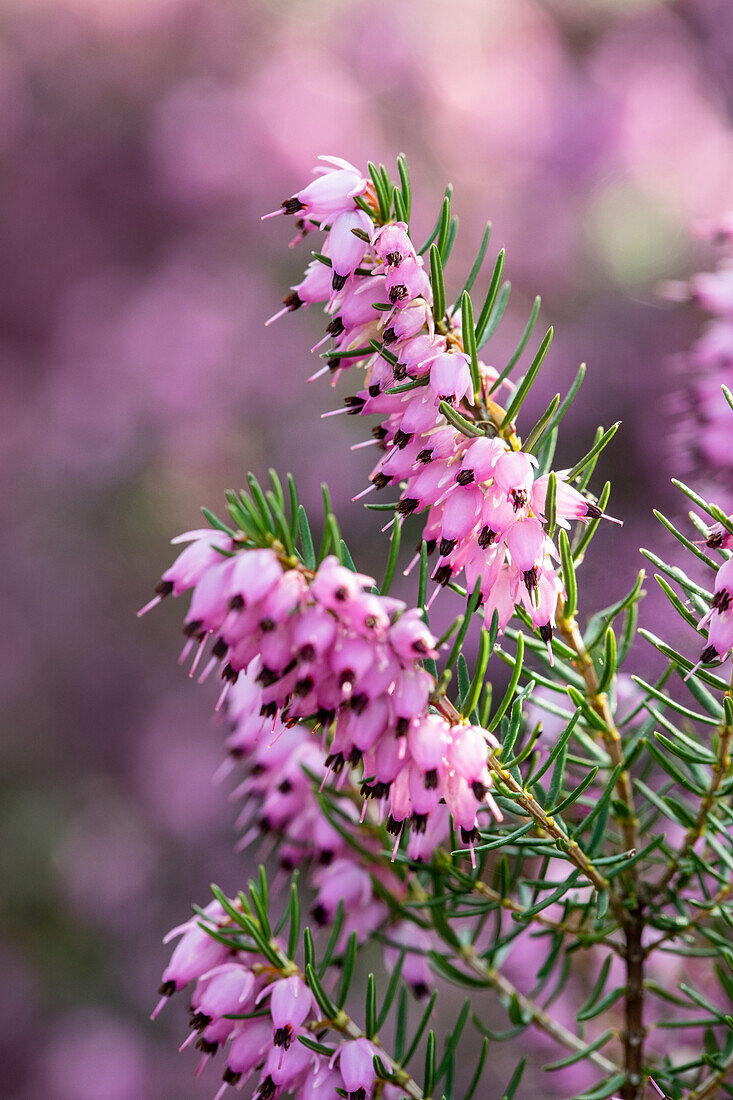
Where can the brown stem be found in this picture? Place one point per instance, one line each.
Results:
(532, 1010)
(634, 1030)
(546, 823)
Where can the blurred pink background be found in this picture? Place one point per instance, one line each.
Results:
(140, 142)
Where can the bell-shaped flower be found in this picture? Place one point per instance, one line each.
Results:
(346, 248)
(450, 377)
(356, 1062)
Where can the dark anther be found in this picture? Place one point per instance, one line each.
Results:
(325, 717)
(546, 632)
(164, 588)
(293, 301)
(319, 914)
(282, 1037)
(446, 545)
(394, 259)
(256, 769)
(207, 1047)
(285, 787)
(469, 836)
(286, 862)
(304, 686)
(519, 498)
(398, 293)
(167, 989)
(530, 578)
(307, 652)
(442, 574)
(401, 439)
(347, 677)
(236, 603)
(335, 760)
(708, 654)
(479, 790)
(267, 1090)
(325, 857)
(336, 327)
(266, 676)
(399, 371)
(354, 405)
(419, 822)
(375, 389)
(430, 545)
(199, 1020)
(219, 649)
(341, 594)
(431, 780)
(379, 432)
(191, 629)
(408, 505)
(714, 541)
(334, 363)
(486, 537)
(403, 725)
(594, 512)
(420, 646)
(375, 790)
(394, 827)
(268, 710)
(338, 282)
(359, 702)
(420, 990)
(465, 477)
(379, 481)
(449, 398)
(293, 206)
(228, 673)
(231, 1077)
(389, 336)
(425, 455)
(721, 600)
(355, 757)
(267, 625)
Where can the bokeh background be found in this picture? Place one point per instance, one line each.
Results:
(140, 141)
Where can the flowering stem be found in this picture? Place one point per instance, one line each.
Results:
(345, 1025)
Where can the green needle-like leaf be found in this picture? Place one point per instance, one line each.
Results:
(568, 573)
(490, 299)
(512, 686)
(436, 282)
(522, 391)
(469, 341)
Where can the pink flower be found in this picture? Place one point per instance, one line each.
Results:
(356, 1062)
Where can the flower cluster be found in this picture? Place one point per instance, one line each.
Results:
(281, 763)
(256, 1013)
(701, 412)
(322, 647)
(485, 502)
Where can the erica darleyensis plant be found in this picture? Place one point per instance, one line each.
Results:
(559, 847)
